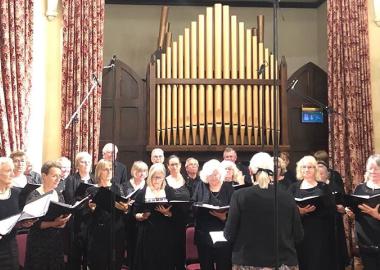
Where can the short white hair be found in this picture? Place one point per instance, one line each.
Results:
(261, 160)
(109, 148)
(209, 168)
(64, 161)
(6, 160)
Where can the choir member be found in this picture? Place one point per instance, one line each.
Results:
(100, 251)
(192, 177)
(317, 249)
(283, 179)
(367, 225)
(289, 174)
(154, 237)
(120, 170)
(233, 174)
(65, 164)
(44, 248)
(139, 172)
(231, 155)
(19, 178)
(213, 190)
(180, 211)
(250, 224)
(335, 177)
(336, 188)
(157, 156)
(78, 226)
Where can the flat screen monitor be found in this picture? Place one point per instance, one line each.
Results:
(311, 115)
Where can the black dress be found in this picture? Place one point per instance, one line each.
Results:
(317, 250)
(205, 222)
(44, 247)
(8, 244)
(154, 237)
(368, 232)
(180, 218)
(99, 235)
(76, 229)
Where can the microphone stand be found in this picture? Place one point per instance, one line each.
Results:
(276, 8)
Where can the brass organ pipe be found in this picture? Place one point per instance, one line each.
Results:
(260, 32)
(175, 91)
(209, 73)
(248, 70)
(168, 95)
(163, 98)
(187, 87)
(226, 74)
(234, 88)
(267, 97)
(255, 87)
(158, 102)
(218, 71)
(201, 75)
(194, 88)
(242, 114)
(180, 90)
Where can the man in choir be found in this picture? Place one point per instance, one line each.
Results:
(34, 177)
(192, 178)
(250, 224)
(120, 172)
(19, 179)
(231, 155)
(157, 156)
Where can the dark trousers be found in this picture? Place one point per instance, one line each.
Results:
(370, 260)
(214, 258)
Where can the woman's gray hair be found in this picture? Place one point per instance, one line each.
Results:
(261, 165)
(156, 168)
(6, 160)
(307, 160)
(209, 168)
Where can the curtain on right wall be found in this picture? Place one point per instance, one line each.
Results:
(351, 137)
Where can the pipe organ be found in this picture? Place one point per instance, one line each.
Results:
(214, 86)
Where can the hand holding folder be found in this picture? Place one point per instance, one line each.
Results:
(363, 204)
(58, 209)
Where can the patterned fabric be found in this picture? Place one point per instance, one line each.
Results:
(83, 31)
(16, 37)
(351, 140)
(282, 267)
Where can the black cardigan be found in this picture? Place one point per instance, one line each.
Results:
(250, 227)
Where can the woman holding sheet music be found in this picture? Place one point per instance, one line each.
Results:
(368, 224)
(317, 250)
(100, 251)
(180, 212)
(250, 223)
(154, 223)
(44, 248)
(213, 190)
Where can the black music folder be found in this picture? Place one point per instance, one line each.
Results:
(80, 192)
(317, 201)
(353, 201)
(103, 198)
(25, 191)
(210, 207)
(57, 209)
(151, 205)
(33, 210)
(239, 186)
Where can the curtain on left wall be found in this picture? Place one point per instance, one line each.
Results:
(16, 37)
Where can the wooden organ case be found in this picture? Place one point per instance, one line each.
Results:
(214, 87)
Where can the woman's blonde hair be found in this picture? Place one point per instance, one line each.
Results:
(262, 166)
(282, 166)
(375, 158)
(154, 169)
(100, 166)
(306, 160)
(138, 166)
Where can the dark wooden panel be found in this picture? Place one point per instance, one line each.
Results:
(306, 138)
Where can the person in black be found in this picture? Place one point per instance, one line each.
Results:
(78, 226)
(180, 211)
(99, 247)
(139, 172)
(65, 172)
(288, 174)
(336, 186)
(231, 155)
(191, 176)
(44, 247)
(9, 206)
(213, 190)
(154, 248)
(367, 223)
(250, 224)
(317, 249)
(120, 170)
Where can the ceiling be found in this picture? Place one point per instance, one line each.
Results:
(236, 3)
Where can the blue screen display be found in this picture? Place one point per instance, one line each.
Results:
(312, 117)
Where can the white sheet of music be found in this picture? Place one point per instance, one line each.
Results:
(217, 236)
(7, 224)
(37, 208)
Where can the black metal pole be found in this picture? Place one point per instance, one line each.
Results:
(275, 121)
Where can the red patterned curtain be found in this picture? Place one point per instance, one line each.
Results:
(351, 141)
(82, 57)
(16, 37)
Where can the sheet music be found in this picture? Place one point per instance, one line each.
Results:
(6, 225)
(217, 236)
(37, 208)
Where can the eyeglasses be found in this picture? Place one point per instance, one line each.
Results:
(174, 164)
(307, 167)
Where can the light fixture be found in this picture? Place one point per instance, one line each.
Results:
(52, 9)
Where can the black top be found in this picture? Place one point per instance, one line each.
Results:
(244, 169)
(191, 183)
(121, 173)
(367, 227)
(250, 227)
(72, 182)
(317, 249)
(204, 221)
(8, 208)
